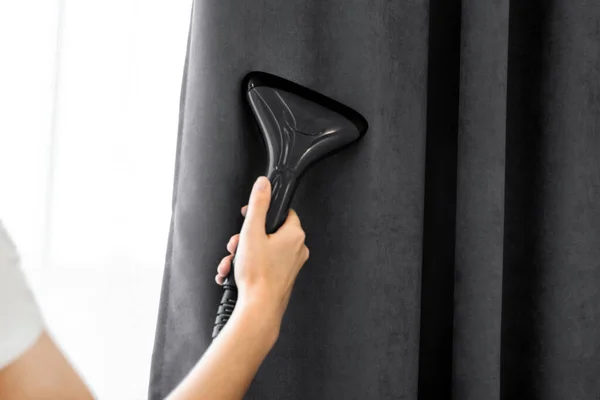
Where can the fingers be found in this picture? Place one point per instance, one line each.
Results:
(258, 205)
(291, 232)
(291, 223)
(223, 269)
(224, 266)
(233, 243)
(305, 253)
(292, 219)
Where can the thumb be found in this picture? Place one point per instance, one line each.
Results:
(258, 205)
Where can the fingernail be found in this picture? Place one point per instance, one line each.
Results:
(261, 183)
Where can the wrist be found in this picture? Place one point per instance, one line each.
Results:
(260, 316)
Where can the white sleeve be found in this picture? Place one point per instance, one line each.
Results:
(20, 318)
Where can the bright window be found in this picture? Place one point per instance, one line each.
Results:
(89, 100)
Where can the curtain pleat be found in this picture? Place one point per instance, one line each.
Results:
(480, 200)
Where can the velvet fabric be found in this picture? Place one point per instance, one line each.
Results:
(455, 252)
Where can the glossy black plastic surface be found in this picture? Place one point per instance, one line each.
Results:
(299, 127)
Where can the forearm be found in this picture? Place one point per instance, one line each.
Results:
(42, 373)
(228, 366)
(265, 271)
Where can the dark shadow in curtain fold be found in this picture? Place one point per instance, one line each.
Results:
(437, 291)
(523, 205)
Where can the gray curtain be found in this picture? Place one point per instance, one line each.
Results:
(455, 252)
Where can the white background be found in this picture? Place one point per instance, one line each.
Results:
(89, 97)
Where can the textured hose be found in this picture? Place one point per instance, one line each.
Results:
(226, 306)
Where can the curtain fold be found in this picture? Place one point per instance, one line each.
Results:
(455, 251)
(480, 200)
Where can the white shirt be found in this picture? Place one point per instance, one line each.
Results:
(20, 318)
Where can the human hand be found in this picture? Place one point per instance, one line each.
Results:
(266, 266)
